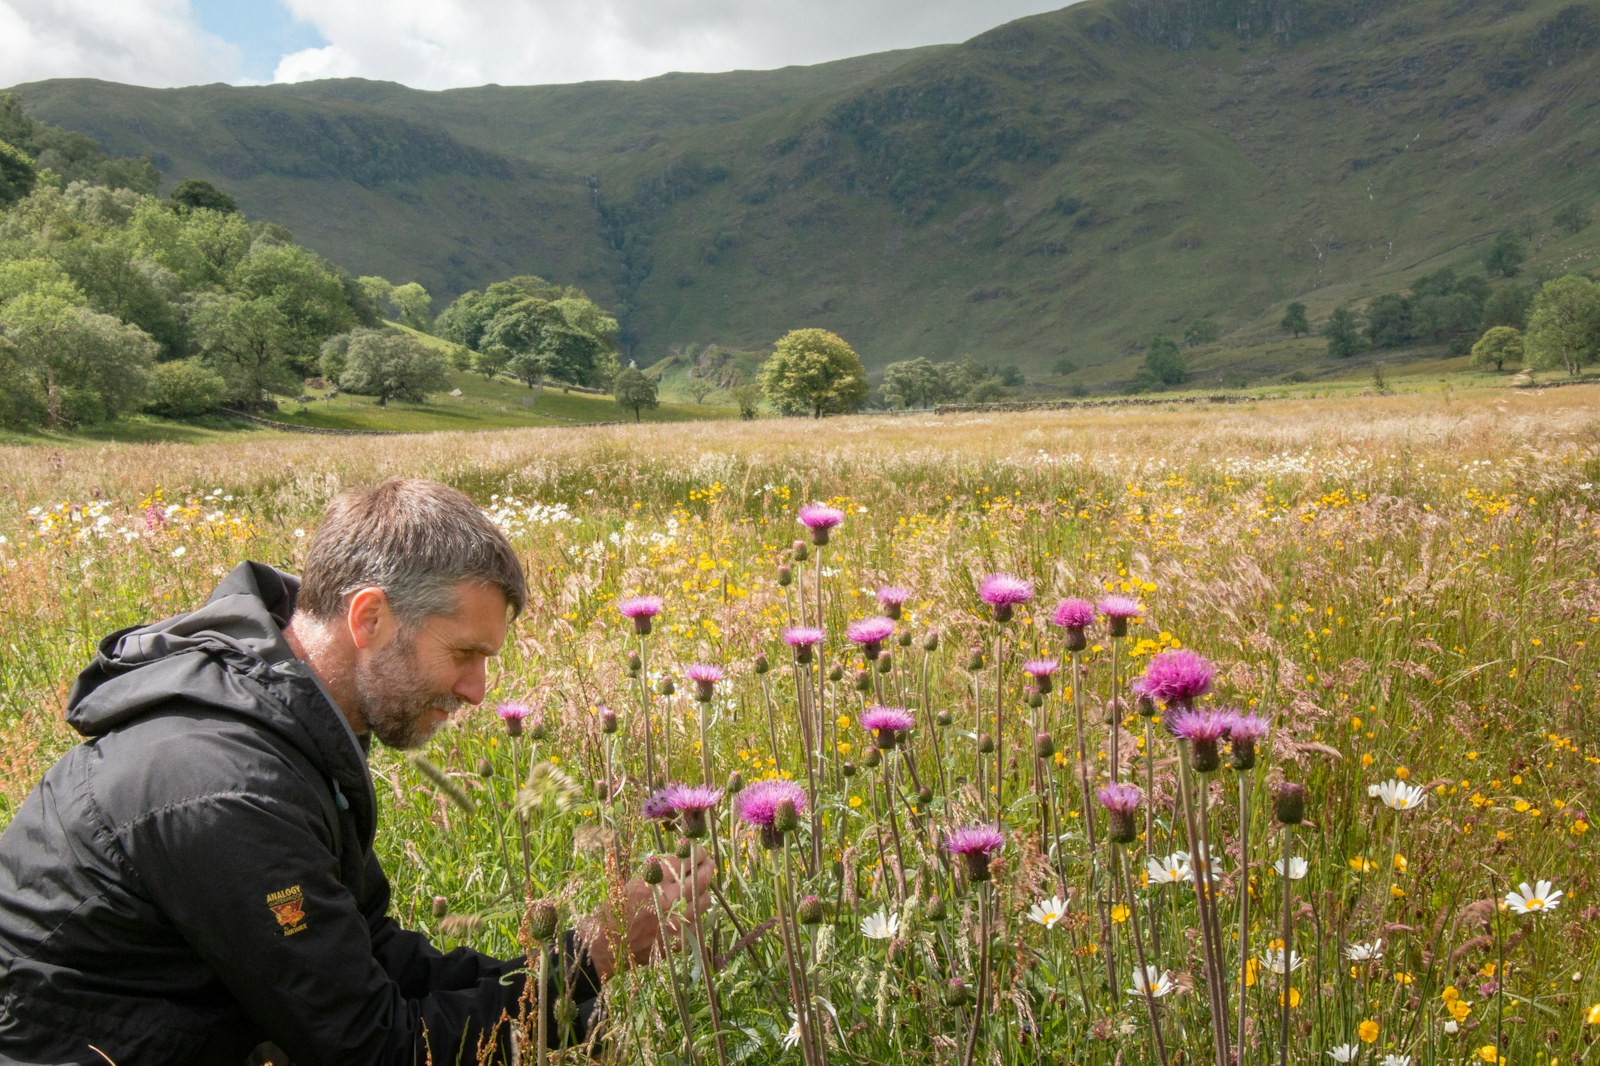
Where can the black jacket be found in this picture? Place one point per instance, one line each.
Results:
(197, 877)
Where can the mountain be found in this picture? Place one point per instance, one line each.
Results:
(1066, 185)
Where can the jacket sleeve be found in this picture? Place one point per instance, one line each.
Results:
(251, 882)
(420, 968)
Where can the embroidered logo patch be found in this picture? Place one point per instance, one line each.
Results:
(288, 906)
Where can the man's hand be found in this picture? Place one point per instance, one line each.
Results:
(684, 880)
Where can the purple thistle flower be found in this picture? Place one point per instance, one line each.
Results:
(870, 633)
(820, 519)
(762, 803)
(893, 597)
(1140, 693)
(1242, 737)
(975, 845)
(1119, 611)
(1120, 802)
(888, 723)
(692, 802)
(1177, 677)
(512, 714)
(641, 609)
(1202, 729)
(705, 677)
(658, 805)
(1002, 592)
(1073, 614)
(802, 639)
(1040, 670)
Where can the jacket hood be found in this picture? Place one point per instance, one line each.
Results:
(228, 655)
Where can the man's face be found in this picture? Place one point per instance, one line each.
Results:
(407, 687)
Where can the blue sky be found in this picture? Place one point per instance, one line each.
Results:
(441, 44)
(262, 30)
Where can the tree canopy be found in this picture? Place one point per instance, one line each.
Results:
(1564, 328)
(634, 391)
(386, 364)
(815, 371)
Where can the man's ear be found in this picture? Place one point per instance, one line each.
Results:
(369, 618)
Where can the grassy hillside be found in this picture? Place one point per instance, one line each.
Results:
(1067, 185)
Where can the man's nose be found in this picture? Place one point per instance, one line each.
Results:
(474, 682)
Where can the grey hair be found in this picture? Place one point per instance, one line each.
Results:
(416, 540)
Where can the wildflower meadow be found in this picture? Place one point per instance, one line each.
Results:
(1257, 735)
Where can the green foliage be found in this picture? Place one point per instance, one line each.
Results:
(184, 388)
(1574, 218)
(1343, 333)
(199, 193)
(1506, 255)
(1201, 331)
(1508, 305)
(305, 291)
(1499, 346)
(1389, 321)
(1294, 319)
(391, 366)
(634, 391)
(986, 391)
(1164, 362)
(1564, 328)
(86, 366)
(747, 396)
(69, 155)
(245, 340)
(17, 174)
(412, 302)
(1064, 366)
(912, 383)
(813, 370)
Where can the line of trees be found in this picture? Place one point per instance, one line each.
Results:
(532, 330)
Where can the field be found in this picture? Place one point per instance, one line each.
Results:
(1405, 590)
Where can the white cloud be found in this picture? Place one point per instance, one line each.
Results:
(436, 44)
(140, 42)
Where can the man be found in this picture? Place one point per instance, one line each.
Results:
(195, 883)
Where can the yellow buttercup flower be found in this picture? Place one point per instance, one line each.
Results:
(1367, 1031)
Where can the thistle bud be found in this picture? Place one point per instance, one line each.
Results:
(891, 610)
(885, 662)
(1075, 640)
(694, 823)
(514, 726)
(957, 993)
(485, 768)
(1032, 696)
(800, 551)
(985, 744)
(785, 819)
(936, 909)
(1290, 803)
(537, 730)
(863, 681)
(975, 658)
(848, 768)
(944, 718)
(1044, 746)
(1145, 704)
(608, 721)
(441, 906)
(872, 757)
(635, 664)
(761, 664)
(1117, 625)
(809, 911)
(735, 783)
(930, 642)
(835, 672)
(904, 638)
(785, 575)
(1206, 753)
(665, 687)
(542, 920)
(653, 873)
(684, 848)
(924, 796)
(705, 691)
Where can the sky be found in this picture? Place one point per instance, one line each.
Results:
(441, 44)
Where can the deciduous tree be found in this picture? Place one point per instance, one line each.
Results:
(1564, 328)
(1499, 346)
(1294, 319)
(814, 370)
(634, 391)
(391, 366)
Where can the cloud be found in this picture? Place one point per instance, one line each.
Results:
(140, 42)
(434, 44)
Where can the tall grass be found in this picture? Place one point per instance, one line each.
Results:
(1405, 587)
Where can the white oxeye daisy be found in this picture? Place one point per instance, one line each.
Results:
(1360, 952)
(1297, 868)
(1272, 959)
(1398, 795)
(1169, 870)
(792, 1037)
(1534, 900)
(1344, 1052)
(1397, 1060)
(880, 926)
(1452, 1027)
(1148, 978)
(1048, 912)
